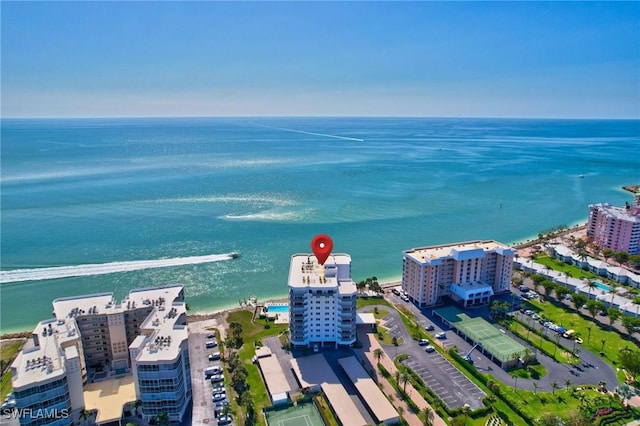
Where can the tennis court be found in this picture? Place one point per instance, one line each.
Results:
(492, 341)
(303, 414)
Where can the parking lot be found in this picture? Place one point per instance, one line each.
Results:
(202, 390)
(446, 381)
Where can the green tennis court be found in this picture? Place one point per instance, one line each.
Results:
(492, 340)
(303, 414)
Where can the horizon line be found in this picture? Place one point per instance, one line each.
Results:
(98, 117)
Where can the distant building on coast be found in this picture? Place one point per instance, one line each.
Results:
(93, 339)
(615, 228)
(322, 301)
(469, 272)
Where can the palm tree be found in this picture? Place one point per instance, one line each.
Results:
(378, 354)
(427, 413)
(591, 284)
(404, 378)
(493, 388)
(612, 290)
(536, 386)
(396, 376)
(567, 383)
(400, 409)
(554, 386)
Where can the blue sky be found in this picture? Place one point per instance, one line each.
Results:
(480, 59)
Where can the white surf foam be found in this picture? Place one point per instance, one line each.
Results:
(37, 274)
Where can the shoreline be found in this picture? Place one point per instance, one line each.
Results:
(578, 227)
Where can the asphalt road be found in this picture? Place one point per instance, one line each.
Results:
(591, 370)
(453, 387)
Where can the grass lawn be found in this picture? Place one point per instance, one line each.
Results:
(361, 302)
(8, 351)
(6, 384)
(251, 333)
(559, 265)
(532, 371)
(539, 342)
(595, 338)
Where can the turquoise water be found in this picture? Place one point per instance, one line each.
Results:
(602, 286)
(78, 192)
(278, 308)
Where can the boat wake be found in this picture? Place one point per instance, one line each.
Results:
(310, 133)
(37, 274)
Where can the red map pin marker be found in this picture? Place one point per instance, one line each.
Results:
(321, 246)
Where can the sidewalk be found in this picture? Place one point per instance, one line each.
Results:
(370, 344)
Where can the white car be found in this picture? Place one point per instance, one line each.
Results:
(441, 335)
(423, 342)
(430, 348)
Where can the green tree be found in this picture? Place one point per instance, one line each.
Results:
(548, 286)
(427, 416)
(567, 383)
(630, 361)
(629, 323)
(554, 386)
(378, 354)
(549, 419)
(590, 282)
(607, 253)
(405, 377)
(561, 292)
(536, 386)
(613, 314)
(593, 306)
(578, 300)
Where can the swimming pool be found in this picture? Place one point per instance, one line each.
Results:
(277, 308)
(602, 286)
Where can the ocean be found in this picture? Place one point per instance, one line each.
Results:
(188, 191)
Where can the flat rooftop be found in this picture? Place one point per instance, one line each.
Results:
(313, 371)
(305, 271)
(369, 390)
(272, 372)
(105, 303)
(109, 397)
(461, 251)
(43, 362)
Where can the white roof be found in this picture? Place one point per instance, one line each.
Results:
(274, 376)
(44, 362)
(306, 272)
(458, 251)
(365, 318)
(368, 390)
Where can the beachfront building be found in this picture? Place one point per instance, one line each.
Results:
(615, 228)
(95, 339)
(469, 272)
(322, 301)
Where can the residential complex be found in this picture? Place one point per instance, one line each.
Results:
(615, 228)
(94, 339)
(322, 301)
(469, 272)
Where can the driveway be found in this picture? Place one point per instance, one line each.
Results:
(453, 387)
(591, 370)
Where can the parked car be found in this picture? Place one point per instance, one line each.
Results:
(211, 344)
(528, 312)
(211, 336)
(429, 327)
(224, 419)
(219, 406)
(219, 396)
(441, 335)
(423, 342)
(535, 316)
(429, 348)
(217, 378)
(214, 356)
(578, 340)
(218, 387)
